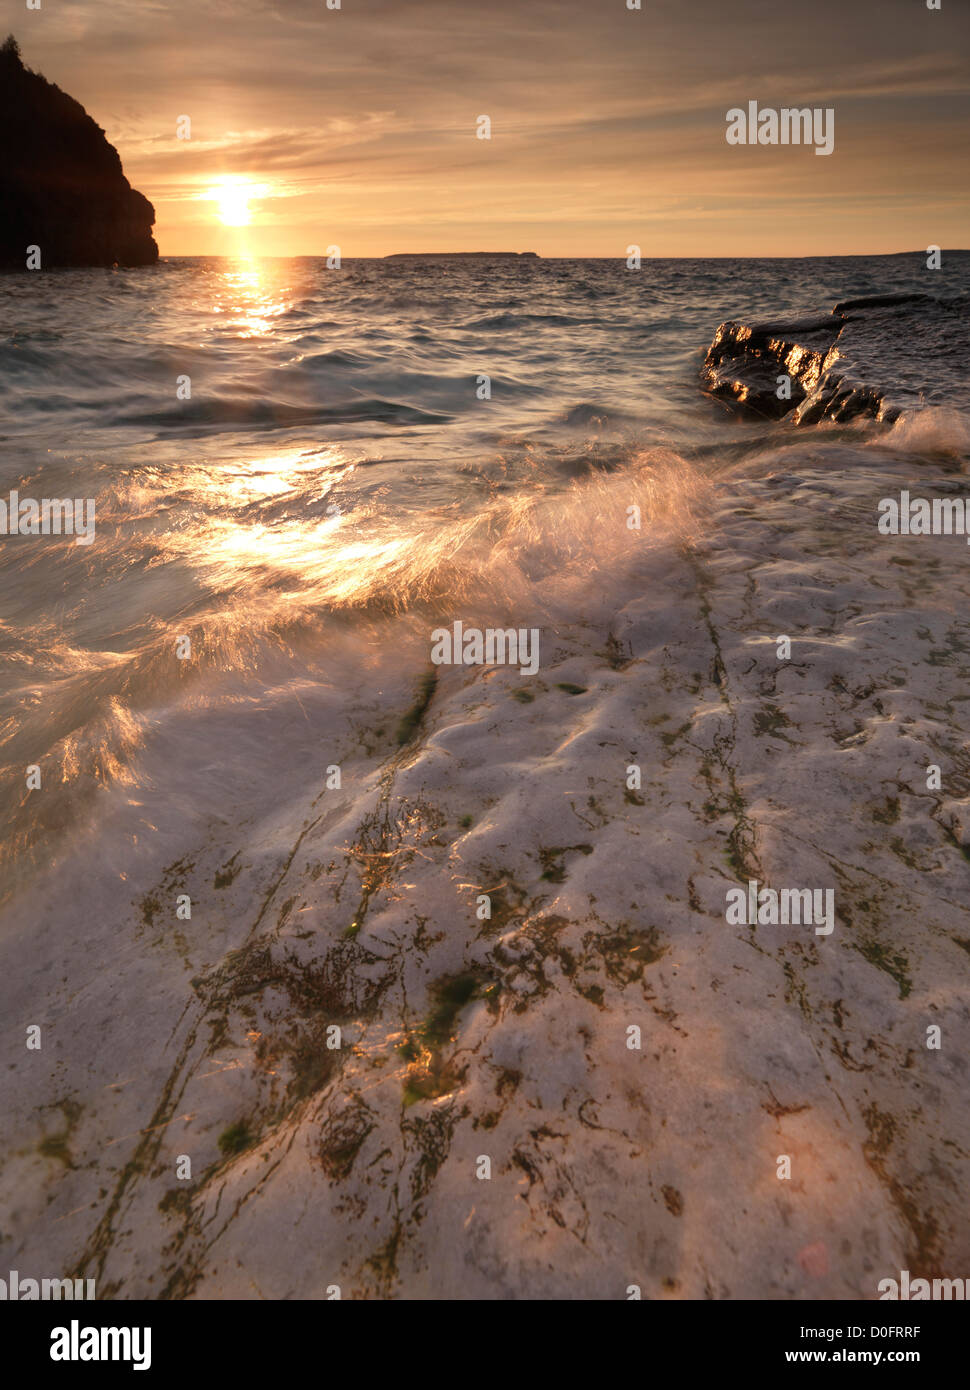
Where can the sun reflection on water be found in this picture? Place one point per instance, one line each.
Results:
(252, 294)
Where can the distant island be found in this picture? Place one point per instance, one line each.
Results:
(62, 187)
(447, 255)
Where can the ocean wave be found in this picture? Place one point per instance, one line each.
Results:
(508, 321)
(268, 599)
(203, 414)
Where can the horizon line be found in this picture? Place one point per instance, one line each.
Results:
(537, 255)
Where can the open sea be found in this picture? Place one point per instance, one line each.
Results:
(304, 470)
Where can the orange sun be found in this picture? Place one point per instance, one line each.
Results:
(233, 194)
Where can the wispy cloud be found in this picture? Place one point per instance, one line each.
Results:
(363, 118)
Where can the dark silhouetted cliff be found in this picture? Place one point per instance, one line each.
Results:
(62, 187)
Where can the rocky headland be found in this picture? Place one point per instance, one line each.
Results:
(62, 187)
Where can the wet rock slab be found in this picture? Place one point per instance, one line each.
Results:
(507, 1039)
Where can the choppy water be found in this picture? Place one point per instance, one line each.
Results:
(336, 484)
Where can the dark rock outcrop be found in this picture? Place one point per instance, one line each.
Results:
(62, 187)
(873, 356)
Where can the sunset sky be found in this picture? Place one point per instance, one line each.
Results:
(356, 126)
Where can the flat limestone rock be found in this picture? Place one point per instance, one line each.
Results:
(484, 1128)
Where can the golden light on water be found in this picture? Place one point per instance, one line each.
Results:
(251, 296)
